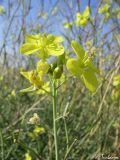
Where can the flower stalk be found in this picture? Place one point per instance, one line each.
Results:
(54, 92)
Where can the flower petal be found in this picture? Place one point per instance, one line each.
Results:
(78, 50)
(55, 50)
(90, 80)
(29, 48)
(86, 13)
(29, 89)
(56, 39)
(42, 68)
(93, 67)
(32, 38)
(27, 74)
(74, 66)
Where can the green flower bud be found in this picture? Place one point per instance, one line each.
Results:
(58, 72)
(52, 67)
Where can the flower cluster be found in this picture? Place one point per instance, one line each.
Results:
(105, 10)
(48, 45)
(44, 46)
(82, 19)
(37, 78)
(82, 67)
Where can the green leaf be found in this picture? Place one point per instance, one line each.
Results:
(78, 49)
(90, 80)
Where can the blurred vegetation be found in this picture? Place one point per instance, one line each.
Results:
(92, 121)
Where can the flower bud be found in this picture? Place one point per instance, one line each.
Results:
(58, 72)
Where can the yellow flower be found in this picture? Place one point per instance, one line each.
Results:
(82, 67)
(68, 25)
(45, 88)
(42, 68)
(104, 8)
(44, 45)
(82, 19)
(2, 10)
(13, 93)
(116, 84)
(27, 156)
(118, 15)
(37, 79)
(38, 130)
(115, 94)
(33, 78)
(116, 80)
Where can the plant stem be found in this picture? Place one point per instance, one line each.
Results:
(2, 150)
(66, 133)
(54, 118)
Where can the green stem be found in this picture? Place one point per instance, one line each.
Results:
(66, 134)
(69, 149)
(2, 150)
(54, 118)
